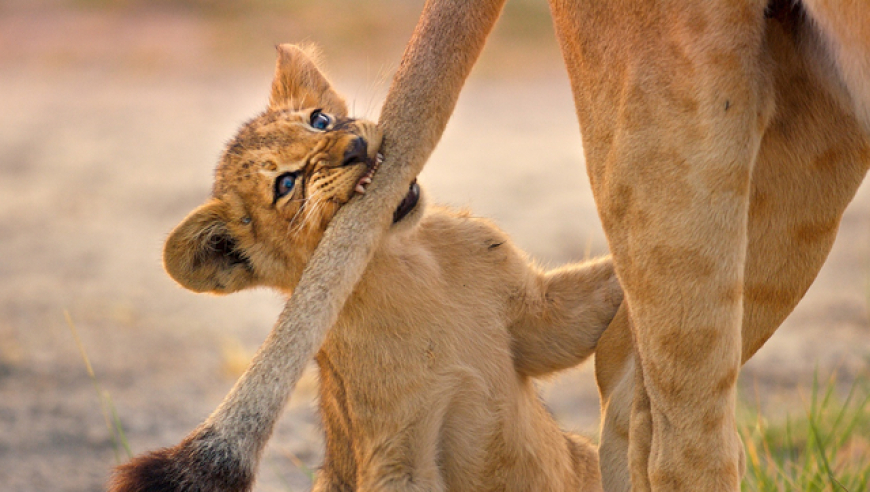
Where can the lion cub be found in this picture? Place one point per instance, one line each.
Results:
(426, 378)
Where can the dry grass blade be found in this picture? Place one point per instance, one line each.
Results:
(107, 406)
(298, 463)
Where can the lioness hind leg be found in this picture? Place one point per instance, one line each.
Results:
(812, 159)
(614, 374)
(672, 102)
(844, 36)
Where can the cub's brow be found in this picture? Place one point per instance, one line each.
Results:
(342, 123)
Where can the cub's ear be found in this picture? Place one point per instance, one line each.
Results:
(202, 254)
(299, 83)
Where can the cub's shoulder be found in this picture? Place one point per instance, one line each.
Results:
(460, 232)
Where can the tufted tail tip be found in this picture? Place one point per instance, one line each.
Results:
(187, 467)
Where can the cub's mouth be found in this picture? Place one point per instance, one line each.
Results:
(366, 179)
(408, 203)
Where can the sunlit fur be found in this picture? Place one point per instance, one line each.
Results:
(426, 378)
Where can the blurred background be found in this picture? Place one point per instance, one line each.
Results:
(112, 116)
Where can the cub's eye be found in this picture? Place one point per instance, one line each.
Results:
(318, 120)
(284, 184)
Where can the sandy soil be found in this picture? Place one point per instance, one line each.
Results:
(106, 144)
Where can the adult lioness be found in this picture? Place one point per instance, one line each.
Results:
(426, 375)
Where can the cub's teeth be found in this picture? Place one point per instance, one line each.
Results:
(366, 179)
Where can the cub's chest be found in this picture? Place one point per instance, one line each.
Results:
(373, 378)
(357, 351)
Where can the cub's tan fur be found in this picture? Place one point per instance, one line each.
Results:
(426, 378)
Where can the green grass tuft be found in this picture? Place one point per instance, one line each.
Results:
(826, 448)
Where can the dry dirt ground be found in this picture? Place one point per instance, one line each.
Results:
(109, 129)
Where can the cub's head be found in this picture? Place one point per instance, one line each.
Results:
(279, 182)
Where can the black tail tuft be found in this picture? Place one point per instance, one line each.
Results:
(195, 465)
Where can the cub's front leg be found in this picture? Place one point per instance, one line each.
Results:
(382, 412)
(561, 314)
(328, 482)
(409, 466)
(338, 472)
(402, 456)
(395, 466)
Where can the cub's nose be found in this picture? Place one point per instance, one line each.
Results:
(357, 151)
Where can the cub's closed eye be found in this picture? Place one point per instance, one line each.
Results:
(284, 184)
(318, 120)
